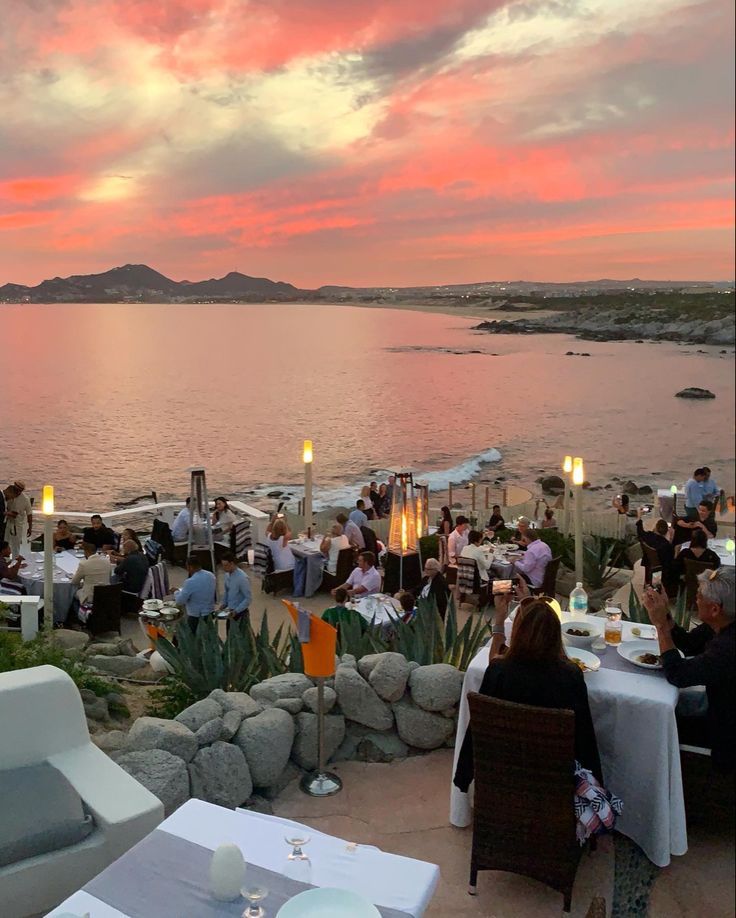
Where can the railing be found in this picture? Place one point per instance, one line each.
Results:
(28, 613)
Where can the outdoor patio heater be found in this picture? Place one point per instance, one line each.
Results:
(200, 529)
(403, 565)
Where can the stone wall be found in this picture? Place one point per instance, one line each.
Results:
(233, 747)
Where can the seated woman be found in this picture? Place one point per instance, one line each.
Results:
(128, 535)
(535, 671)
(549, 521)
(64, 538)
(223, 518)
(365, 496)
(384, 501)
(332, 545)
(522, 527)
(697, 551)
(705, 523)
(277, 539)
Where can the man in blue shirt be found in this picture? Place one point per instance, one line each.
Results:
(236, 599)
(198, 593)
(358, 516)
(694, 493)
(711, 491)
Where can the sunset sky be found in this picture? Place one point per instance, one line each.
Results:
(368, 142)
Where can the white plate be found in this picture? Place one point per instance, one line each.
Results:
(328, 903)
(648, 633)
(630, 650)
(591, 661)
(151, 613)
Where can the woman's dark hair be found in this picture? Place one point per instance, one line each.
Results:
(707, 504)
(549, 513)
(407, 602)
(446, 515)
(227, 507)
(474, 537)
(536, 636)
(698, 539)
(60, 522)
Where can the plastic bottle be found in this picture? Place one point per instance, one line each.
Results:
(578, 605)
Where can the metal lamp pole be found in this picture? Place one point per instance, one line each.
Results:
(47, 507)
(578, 476)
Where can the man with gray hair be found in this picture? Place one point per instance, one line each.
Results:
(710, 660)
(132, 572)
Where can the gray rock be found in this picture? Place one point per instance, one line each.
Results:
(412, 664)
(348, 659)
(389, 676)
(97, 709)
(87, 695)
(364, 745)
(236, 701)
(290, 705)
(366, 664)
(199, 713)
(695, 392)
(419, 728)
(127, 648)
(105, 650)
(629, 487)
(359, 702)
(71, 640)
(553, 484)
(110, 741)
(210, 732)
(220, 774)
(304, 751)
(310, 699)
(164, 774)
(646, 489)
(436, 687)
(157, 733)
(116, 698)
(116, 666)
(230, 723)
(290, 773)
(287, 685)
(266, 741)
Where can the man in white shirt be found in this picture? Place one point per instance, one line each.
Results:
(180, 529)
(535, 559)
(19, 516)
(355, 536)
(474, 551)
(94, 571)
(364, 579)
(457, 539)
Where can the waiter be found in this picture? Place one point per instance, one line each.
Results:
(19, 515)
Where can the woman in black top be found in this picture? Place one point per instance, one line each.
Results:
(535, 671)
(697, 551)
(446, 522)
(705, 523)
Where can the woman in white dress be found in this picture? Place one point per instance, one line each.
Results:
(277, 539)
(223, 519)
(332, 545)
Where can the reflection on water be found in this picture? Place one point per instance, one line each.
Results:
(109, 401)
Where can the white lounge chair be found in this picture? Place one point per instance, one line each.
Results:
(42, 720)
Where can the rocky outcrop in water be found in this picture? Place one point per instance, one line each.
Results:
(694, 392)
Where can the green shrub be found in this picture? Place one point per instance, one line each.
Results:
(561, 545)
(42, 651)
(170, 698)
(429, 546)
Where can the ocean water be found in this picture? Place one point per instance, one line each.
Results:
(107, 402)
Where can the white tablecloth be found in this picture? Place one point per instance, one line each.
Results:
(378, 609)
(634, 719)
(727, 557)
(65, 566)
(385, 879)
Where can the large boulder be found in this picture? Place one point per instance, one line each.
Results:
(310, 698)
(157, 733)
(364, 745)
(419, 728)
(287, 685)
(165, 775)
(70, 640)
(210, 732)
(553, 484)
(236, 701)
(231, 721)
(304, 751)
(359, 702)
(366, 664)
(220, 774)
(695, 392)
(199, 713)
(629, 487)
(436, 687)
(389, 676)
(110, 740)
(266, 741)
(116, 666)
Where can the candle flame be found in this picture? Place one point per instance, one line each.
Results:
(567, 465)
(308, 451)
(578, 474)
(47, 501)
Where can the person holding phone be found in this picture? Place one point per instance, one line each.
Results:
(659, 540)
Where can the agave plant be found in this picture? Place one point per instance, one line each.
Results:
(601, 557)
(203, 661)
(678, 610)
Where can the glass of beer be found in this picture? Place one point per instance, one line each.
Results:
(614, 627)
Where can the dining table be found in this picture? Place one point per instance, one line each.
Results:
(31, 575)
(378, 609)
(633, 712)
(309, 564)
(166, 875)
(502, 558)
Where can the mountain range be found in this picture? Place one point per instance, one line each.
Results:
(144, 284)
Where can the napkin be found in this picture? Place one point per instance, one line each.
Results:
(303, 625)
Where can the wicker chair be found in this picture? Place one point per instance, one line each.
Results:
(692, 569)
(469, 582)
(106, 609)
(524, 818)
(549, 583)
(345, 564)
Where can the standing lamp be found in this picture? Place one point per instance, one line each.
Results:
(567, 471)
(200, 539)
(403, 565)
(307, 457)
(578, 477)
(47, 508)
(673, 492)
(422, 509)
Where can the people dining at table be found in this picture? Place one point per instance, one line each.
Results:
(534, 670)
(434, 586)
(237, 594)
(64, 538)
(658, 539)
(180, 527)
(358, 515)
(710, 660)
(365, 496)
(93, 570)
(339, 614)
(697, 550)
(332, 545)
(223, 518)
(99, 535)
(132, 571)
(9, 570)
(352, 531)
(197, 594)
(523, 525)
(475, 552)
(277, 539)
(364, 579)
(535, 559)
(446, 523)
(705, 520)
(457, 540)
(548, 520)
(496, 521)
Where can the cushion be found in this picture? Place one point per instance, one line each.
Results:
(41, 813)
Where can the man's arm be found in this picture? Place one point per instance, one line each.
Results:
(245, 597)
(79, 573)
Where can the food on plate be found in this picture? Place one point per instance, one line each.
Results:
(648, 659)
(578, 632)
(579, 663)
(636, 631)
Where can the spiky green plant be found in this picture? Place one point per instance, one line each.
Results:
(679, 611)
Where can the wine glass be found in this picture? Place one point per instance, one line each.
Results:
(298, 866)
(255, 895)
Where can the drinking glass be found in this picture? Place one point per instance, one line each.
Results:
(613, 627)
(254, 895)
(298, 866)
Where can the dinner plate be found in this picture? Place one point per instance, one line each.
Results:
(630, 650)
(590, 660)
(324, 902)
(647, 633)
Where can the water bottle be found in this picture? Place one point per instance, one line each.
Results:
(578, 605)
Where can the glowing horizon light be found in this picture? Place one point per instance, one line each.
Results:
(578, 473)
(308, 454)
(47, 501)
